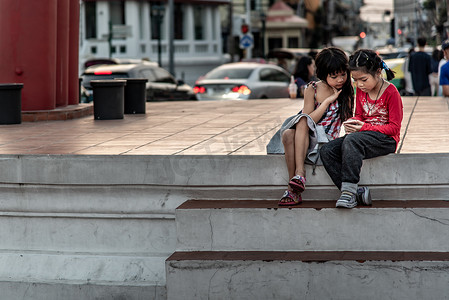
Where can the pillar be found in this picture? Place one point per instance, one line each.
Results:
(28, 50)
(62, 53)
(73, 85)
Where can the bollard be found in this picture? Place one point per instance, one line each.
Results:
(11, 103)
(135, 96)
(108, 97)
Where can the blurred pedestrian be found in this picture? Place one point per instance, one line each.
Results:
(444, 73)
(304, 73)
(442, 62)
(282, 63)
(433, 77)
(420, 68)
(407, 75)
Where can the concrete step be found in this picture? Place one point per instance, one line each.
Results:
(84, 232)
(79, 255)
(70, 275)
(211, 225)
(307, 275)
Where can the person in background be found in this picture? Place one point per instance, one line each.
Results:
(304, 73)
(444, 72)
(282, 63)
(433, 77)
(442, 62)
(407, 75)
(420, 68)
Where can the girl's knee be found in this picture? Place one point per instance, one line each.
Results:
(351, 139)
(302, 124)
(288, 137)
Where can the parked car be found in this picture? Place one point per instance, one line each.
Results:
(117, 61)
(161, 84)
(243, 81)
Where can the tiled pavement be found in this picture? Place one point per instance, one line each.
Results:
(204, 128)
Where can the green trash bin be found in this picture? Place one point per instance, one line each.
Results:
(11, 103)
(108, 97)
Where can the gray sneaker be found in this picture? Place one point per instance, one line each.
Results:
(347, 200)
(364, 196)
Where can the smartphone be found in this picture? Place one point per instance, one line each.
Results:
(350, 122)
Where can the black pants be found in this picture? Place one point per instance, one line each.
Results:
(343, 157)
(425, 92)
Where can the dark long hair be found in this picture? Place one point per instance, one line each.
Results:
(302, 70)
(368, 61)
(333, 60)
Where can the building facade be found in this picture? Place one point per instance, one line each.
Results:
(140, 29)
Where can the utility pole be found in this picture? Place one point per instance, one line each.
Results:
(171, 36)
(249, 50)
(231, 39)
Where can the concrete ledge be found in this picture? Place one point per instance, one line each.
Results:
(398, 176)
(264, 277)
(40, 275)
(124, 234)
(55, 291)
(68, 112)
(229, 170)
(308, 256)
(313, 226)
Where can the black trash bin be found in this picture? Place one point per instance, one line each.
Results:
(11, 103)
(135, 96)
(108, 97)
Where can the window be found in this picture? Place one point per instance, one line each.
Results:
(91, 20)
(163, 76)
(293, 42)
(198, 19)
(274, 43)
(148, 74)
(273, 75)
(157, 11)
(214, 20)
(179, 21)
(141, 20)
(117, 11)
(240, 73)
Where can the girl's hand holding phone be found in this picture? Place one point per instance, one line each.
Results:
(352, 125)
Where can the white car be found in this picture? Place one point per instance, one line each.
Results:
(243, 81)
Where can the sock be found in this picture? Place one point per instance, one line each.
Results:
(349, 187)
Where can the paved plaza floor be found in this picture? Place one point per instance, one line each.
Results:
(205, 128)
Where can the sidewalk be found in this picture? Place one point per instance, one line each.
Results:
(205, 128)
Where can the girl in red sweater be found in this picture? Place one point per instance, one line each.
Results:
(373, 131)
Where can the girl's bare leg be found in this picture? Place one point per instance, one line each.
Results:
(288, 139)
(301, 146)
